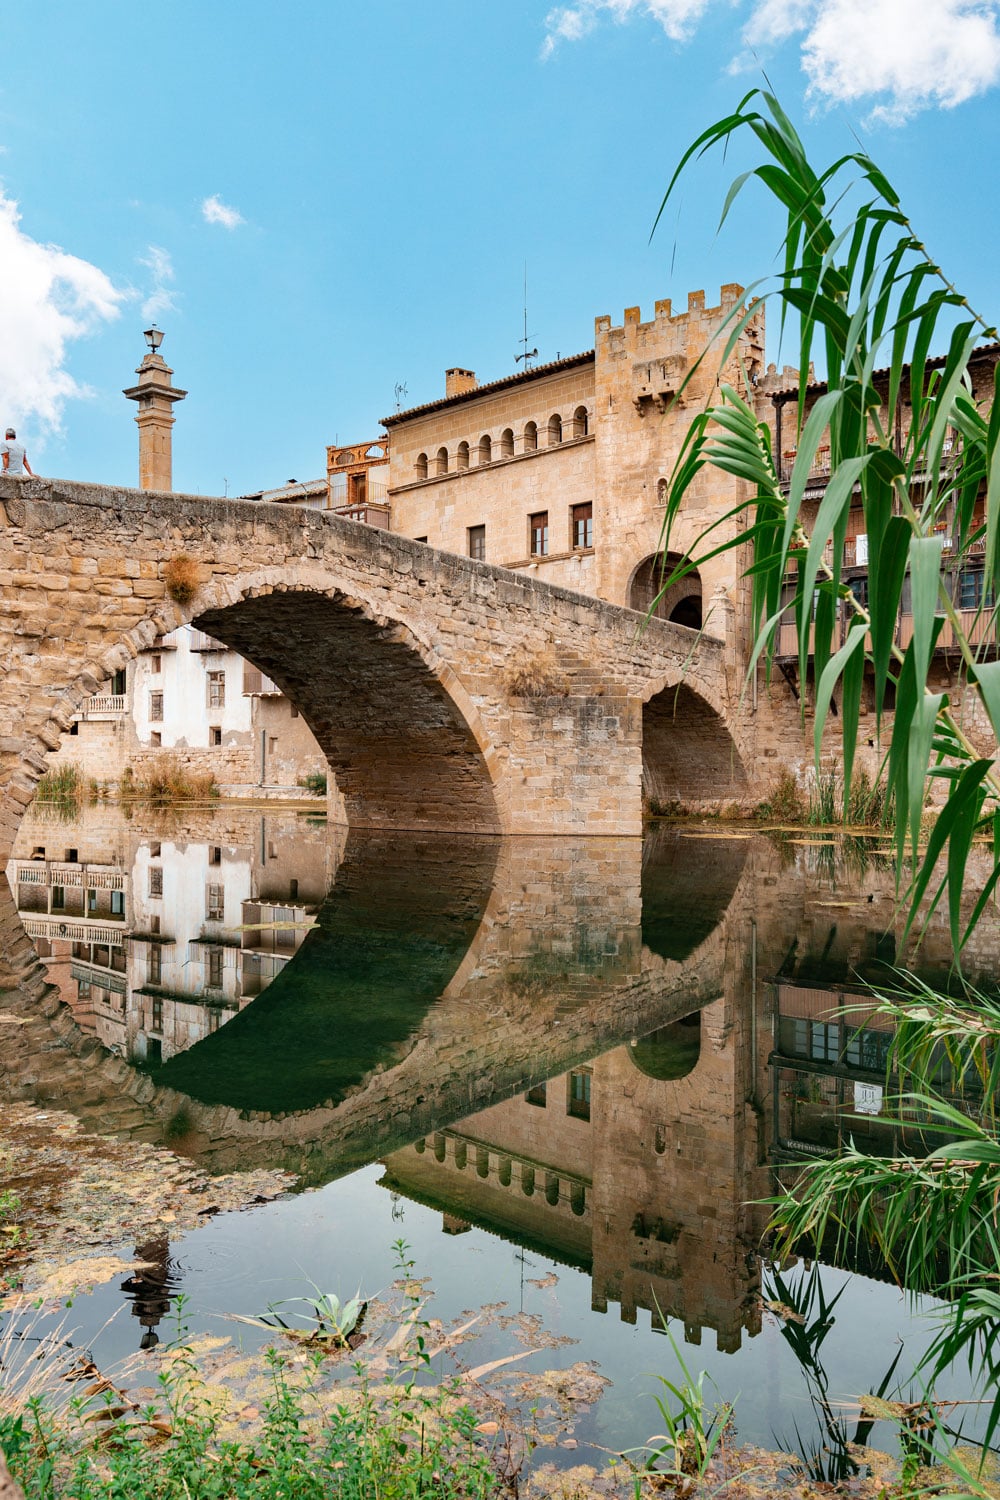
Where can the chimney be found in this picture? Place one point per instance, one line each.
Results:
(457, 382)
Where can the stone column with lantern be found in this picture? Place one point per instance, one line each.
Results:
(155, 395)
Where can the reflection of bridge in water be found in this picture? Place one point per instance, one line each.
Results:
(587, 1046)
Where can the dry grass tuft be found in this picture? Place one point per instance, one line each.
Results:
(181, 578)
(167, 783)
(536, 677)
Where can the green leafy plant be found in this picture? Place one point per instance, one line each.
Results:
(329, 1323)
(693, 1427)
(315, 782)
(860, 290)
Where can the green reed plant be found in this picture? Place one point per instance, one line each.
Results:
(858, 289)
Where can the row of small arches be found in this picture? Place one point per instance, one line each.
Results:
(489, 451)
(577, 1193)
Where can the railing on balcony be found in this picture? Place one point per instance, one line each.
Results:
(51, 872)
(105, 704)
(980, 629)
(370, 512)
(199, 641)
(75, 929)
(257, 684)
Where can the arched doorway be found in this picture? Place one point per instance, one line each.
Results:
(679, 603)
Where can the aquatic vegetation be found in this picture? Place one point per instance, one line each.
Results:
(315, 782)
(64, 784)
(168, 782)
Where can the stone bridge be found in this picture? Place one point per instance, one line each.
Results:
(447, 694)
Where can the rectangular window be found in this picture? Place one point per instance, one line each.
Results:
(91, 902)
(155, 739)
(578, 1099)
(156, 663)
(117, 903)
(215, 855)
(215, 968)
(214, 903)
(154, 924)
(157, 1016)
(970, 590)
(216, 689)
(477, 542)
(214, 734)
(72, 856)
(539, 533)
(583, 527)
(58, 898)
(154, 965)
(156, 708)
(536, 1095)
(155, 880)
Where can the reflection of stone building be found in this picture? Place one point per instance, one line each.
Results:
(155, 943)
(633, 1167)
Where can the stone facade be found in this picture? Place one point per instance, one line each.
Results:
(595, 429)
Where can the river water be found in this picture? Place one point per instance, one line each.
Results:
(566, 1072)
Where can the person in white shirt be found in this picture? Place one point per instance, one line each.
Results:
(15, 460)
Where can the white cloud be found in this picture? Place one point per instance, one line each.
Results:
(912, 52)
(161, 297)
(47, 299)
(568, 23)
(900, 56)
(214, 211)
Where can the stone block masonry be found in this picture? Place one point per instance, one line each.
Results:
(400, 658)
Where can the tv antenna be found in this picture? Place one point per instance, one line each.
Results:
(399, 391)
(526, 354)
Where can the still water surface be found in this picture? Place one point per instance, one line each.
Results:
(585, 1058)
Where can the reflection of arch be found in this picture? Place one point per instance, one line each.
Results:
(688, 754)
(680, 603)
(669, 1052)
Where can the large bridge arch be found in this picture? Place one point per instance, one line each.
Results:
(690, 758)
(402, 735)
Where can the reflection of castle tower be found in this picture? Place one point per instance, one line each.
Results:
(631, 1167)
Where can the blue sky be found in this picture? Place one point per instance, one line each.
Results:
(318, 201)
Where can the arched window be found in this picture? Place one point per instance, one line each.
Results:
(661, 492)
(462, 456)
(530, 437)
(420, 466)
(442, 461)
(555, 430)
(580, 422)
(507, 443)
(485, 449)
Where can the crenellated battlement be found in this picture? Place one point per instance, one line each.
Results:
(658, 355)
(634, 333)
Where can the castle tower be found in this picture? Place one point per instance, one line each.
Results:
(155, 395)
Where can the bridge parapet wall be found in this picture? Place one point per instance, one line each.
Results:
(446, 693)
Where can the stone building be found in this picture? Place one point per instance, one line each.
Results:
(562, 469)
